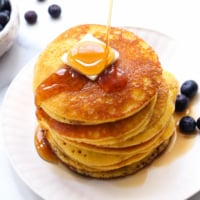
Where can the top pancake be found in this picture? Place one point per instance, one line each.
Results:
(91, 104)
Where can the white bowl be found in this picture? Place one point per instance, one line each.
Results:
(8, 34)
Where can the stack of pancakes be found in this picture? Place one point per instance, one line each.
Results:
(106, 134)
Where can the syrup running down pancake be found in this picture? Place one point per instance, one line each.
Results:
(87, 102)
(109, 124)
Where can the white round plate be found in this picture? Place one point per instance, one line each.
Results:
(175, 175)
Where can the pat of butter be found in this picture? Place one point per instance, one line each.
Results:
(89, 38)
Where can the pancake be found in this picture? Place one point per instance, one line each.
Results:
(89, 104)
(109, 159)
(97, 161)
(102, 132)
(105, 132)
(172, 83)
(119, 132)
(125, 170)
(70, 147)
(121, 172)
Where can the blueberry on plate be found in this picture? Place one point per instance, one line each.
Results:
(181, 103)
(31, 17)
(189, 88)
(187, 124)
(54, 11)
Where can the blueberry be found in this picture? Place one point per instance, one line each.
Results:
(7, 12)
(54, 10)
(198, 123)
(4, 18)
(187, 124)
(181, 103)
(5, 5)
(189, 88)
(31, 17)
(1, 27)
(2, 4)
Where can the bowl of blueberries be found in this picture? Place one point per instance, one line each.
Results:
(9, 23)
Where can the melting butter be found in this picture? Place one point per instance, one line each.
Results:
(90, 57)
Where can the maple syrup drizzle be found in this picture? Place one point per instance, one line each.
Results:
(42, 146)
(67, 79)
(108, 28)
(64, 79)
(91, 57)
(88, 57)
(112, 79)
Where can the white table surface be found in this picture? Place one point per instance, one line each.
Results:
(176, 18)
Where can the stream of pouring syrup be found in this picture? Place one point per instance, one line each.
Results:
(108, 27)
(41, 143)
(180, 147)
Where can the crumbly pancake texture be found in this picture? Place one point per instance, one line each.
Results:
(91, 104)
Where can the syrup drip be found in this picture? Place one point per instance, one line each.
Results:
(112, 79)
(92, 57)
(65, 79)
(108, 27)
(88, 57)
(42, 146)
